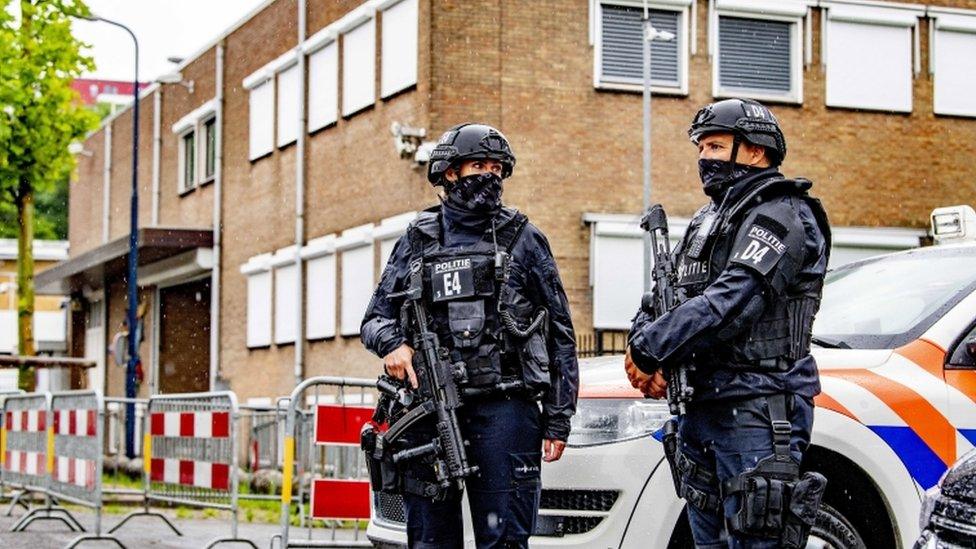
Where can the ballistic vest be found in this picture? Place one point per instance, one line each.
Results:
(781, 335)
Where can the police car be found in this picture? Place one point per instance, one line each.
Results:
(898, 408)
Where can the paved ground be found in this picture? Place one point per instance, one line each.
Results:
(144, 532)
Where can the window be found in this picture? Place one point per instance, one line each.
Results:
(868, 56)
(210, 149)
(359, 67)
(261, 118)
(323, 86)
(258, 300)
(358, 281)
(320, 287)
(953, 62)
(197, 146)
(188, 156)
(617, 267)
(389, 231)
(619, 54)
(399, 43)
(289, 96)
(285, 298)
(756, 49)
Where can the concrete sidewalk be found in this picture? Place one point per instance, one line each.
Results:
(147, 532)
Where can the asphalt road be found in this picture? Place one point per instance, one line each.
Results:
(143, 532)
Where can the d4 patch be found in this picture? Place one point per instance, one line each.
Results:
(761, 246)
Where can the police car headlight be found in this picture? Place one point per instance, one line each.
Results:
(928, 506)
(605, 420)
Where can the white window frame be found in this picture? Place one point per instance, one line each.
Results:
(288, 121)
(387, 234)
(620, 226)
(258, 327)
(352, 105)
(323, 48)
(260, 148)
(193, 122)
(788, 11)
(399, 72)
(687, 15)
(202, 149)
(285, 320)
(956, 22)
(871, 14)
(320, 299)
(354, 239)
(185, 186)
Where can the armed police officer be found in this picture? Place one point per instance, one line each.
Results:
(748, 279)
(498, 309)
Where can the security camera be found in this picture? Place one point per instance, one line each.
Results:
(406, 139)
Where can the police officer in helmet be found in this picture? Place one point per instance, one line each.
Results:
(750, 273)
(507, 319)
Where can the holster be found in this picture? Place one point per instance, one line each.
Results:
(775, 502)
(383, 473)
(670, 442)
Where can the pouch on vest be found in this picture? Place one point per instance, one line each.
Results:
(466, 320)
(383, 474)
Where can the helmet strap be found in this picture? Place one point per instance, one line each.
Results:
(735, 154)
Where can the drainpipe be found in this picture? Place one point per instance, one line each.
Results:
(217, 223)
(157, 145)
(300, 201)
(107, 182)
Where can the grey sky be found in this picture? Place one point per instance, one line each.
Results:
(164, 28)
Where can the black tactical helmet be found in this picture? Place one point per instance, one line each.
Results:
(746, 118)
(466, 142)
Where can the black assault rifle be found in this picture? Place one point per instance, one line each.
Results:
(437, 394)
(663, 299)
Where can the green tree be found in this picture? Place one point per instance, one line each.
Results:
(39, 117)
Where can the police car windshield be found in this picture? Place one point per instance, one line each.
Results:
(887, 302)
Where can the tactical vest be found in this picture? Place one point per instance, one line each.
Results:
(781, 335)
(467, 294)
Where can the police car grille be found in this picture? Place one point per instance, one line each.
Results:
(579, 500)
(580, 525)
(390, 507)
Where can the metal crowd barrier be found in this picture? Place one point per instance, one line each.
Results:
(27, 457)
(113, 439)
(3, 488)
(75, 455)
(190, 449)
(328, 448)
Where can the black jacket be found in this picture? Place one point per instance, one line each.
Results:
(533, 274)
(733, 301)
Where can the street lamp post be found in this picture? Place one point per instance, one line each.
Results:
(133, 288)
(648, 34)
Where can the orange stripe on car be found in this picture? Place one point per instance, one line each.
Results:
(926, 354)
(923, 418)
(823, 400)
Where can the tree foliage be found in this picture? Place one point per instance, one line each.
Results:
(40, 114)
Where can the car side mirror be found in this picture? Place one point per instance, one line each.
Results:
(971, 349)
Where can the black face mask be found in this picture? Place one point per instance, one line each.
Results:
(719, 175)
(481, 193)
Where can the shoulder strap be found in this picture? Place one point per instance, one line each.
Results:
(510, 228)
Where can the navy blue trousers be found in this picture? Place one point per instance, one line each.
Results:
(728, 437)
(505, 442)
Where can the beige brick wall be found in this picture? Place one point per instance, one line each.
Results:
(526, 67)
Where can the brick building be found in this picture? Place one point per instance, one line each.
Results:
(285, 147)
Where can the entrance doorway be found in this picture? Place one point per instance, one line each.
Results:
(184, 337)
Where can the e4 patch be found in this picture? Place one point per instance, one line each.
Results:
(761, 246)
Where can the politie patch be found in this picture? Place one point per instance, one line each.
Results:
(452, 279)
(761, 246)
